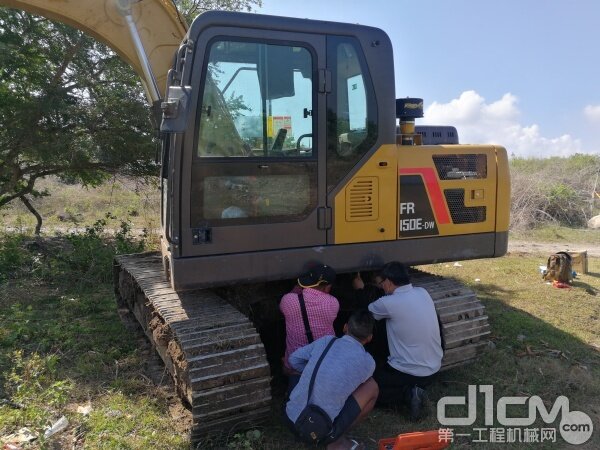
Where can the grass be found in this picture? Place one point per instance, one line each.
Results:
(62, 345)
(121, 197)
(546, 343)
(557, 234)
(62, 348)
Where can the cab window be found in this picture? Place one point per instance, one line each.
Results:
(351, 109)
(254, 158)
(257, 101)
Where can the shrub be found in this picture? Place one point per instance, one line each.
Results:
(554, 190)
(13, 256)
(80, 258)
(91, 254)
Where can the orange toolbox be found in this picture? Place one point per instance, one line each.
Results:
(420, 440)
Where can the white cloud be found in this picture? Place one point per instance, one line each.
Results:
(479, 122)
(592, 113)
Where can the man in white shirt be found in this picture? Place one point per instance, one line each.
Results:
(413, 336)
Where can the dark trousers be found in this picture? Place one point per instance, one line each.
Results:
(292, 382)
(395, 386)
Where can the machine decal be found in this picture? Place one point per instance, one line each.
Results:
(416, 216)
(433, 189)
(276, 123)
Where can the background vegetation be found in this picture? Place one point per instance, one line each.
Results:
(69, 107)
(559, 191)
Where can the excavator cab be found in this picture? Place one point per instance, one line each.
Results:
(275, 115)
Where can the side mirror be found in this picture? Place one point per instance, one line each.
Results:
(276, 74)
(175, 109)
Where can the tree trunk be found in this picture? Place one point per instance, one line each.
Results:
(32, 210)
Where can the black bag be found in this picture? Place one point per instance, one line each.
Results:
(313, 424)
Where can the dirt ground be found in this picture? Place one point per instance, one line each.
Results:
(544, 248)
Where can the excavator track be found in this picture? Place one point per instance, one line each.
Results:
(215, 355)
(212, 351)
(465, 326)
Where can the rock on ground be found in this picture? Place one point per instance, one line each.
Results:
(594, 222)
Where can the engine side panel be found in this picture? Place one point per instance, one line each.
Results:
(442, 190)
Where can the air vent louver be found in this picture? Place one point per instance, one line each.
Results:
(362, 199)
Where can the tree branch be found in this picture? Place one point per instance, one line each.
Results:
(32, 210)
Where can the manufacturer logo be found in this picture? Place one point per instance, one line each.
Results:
(575, 427)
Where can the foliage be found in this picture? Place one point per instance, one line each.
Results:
(68, 107)
(31, 378)
(12, 255)
(235, 105)
(90, 253)
(191, 8)
(250, 440)
(554, 190)
(62, 345)
(82, 258)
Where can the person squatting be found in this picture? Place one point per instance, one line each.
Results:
(334, 383)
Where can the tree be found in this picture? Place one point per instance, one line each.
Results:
(70, 107)
(191, 8)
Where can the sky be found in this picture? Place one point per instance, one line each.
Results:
(524, 74)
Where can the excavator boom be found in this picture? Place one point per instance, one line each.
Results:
(157, 23)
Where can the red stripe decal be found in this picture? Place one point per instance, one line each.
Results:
(433, 189)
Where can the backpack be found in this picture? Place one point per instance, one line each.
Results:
(559, 268)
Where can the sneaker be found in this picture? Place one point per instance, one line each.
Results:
(417, 398)
(357, 445)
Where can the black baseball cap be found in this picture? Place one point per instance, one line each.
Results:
(318, 275)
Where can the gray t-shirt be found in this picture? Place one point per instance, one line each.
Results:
(412, 329)
(345, 367)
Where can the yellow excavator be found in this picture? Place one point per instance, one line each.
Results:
(283, 145)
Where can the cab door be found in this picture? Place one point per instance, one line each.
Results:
(254, 170)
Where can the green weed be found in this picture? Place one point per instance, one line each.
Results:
(13, 257)
(62, 343)
(90, 253)
(250, 440)
(32, 390)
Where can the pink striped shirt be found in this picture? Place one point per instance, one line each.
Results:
(321, 309)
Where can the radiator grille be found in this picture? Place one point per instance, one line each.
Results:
(461, 213)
